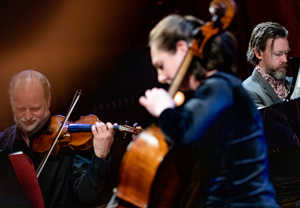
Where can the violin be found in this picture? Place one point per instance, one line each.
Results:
(75, 135)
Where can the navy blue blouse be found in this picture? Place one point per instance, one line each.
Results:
(221, 119)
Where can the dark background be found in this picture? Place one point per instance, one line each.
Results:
(101, 48)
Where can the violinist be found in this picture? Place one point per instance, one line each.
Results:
(67, 180)
(219, 121)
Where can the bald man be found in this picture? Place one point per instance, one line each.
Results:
(66, 180)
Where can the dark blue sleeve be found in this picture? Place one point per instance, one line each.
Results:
(188, 124)
(90, 178)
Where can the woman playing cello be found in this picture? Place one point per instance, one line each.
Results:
(219, 123)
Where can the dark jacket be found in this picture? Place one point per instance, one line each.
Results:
(68, 179)
(222, 125)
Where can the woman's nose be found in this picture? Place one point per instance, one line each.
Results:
(161, 78)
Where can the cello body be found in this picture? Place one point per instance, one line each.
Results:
(147, 152)
(152, 174)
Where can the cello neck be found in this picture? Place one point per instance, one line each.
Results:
(183, 69)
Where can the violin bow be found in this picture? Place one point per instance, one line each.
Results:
(45, 159)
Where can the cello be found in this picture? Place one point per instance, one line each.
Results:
(151, 174)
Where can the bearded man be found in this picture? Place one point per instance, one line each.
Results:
(268, 51)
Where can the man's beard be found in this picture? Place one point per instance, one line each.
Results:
(32, 128)
(279, 73)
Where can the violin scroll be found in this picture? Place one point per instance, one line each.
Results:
(129, 129)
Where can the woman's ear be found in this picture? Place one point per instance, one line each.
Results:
(182, 46)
